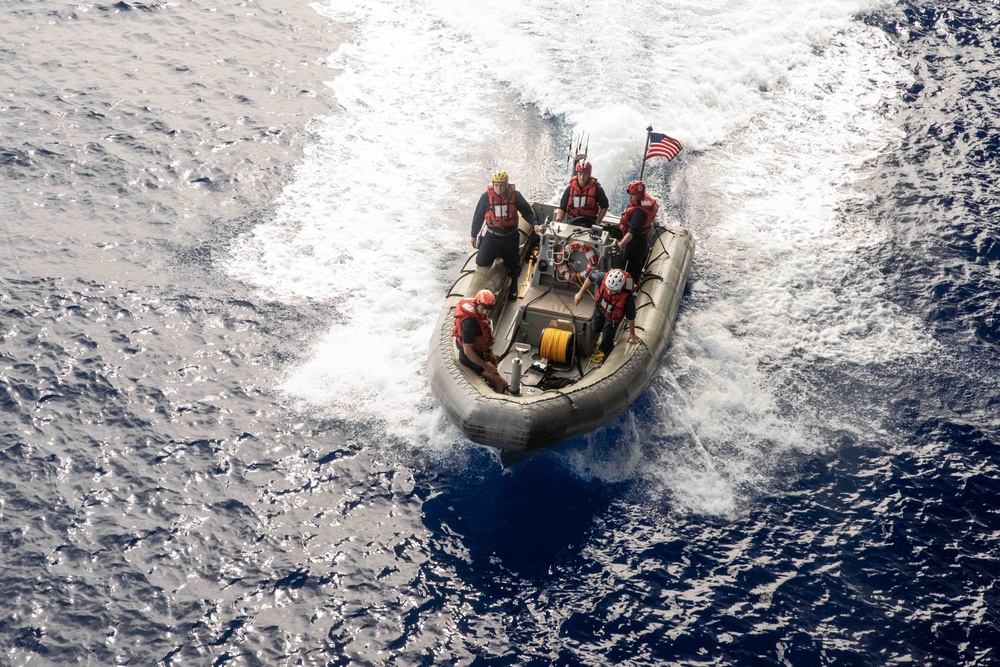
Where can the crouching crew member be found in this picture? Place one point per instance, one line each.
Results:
(636, 223)
(498, 208)
(615, 302)
(475, 338)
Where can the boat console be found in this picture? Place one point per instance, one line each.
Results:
(566, 250)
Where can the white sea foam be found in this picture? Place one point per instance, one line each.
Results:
(779, 105)
(372, 212)
(784, 284)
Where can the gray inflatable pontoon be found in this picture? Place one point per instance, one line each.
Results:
(565, 395)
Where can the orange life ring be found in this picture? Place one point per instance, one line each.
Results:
(572, 257)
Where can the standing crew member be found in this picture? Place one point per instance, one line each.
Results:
(615, 302)
(636, 223)
(498, 208)
(584, 197)
(474, 333)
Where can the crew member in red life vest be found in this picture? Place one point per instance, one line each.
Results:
(475, 338)
(498, 208)
(636, 223)
(615, 302)
(583, 198)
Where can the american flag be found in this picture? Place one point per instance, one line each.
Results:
(660, 145)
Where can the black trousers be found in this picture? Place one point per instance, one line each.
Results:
(506, 248)
(468, 362)
(607, 328)
(635, 256)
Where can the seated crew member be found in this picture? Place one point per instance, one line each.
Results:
(615, 302)
(636, 223)
(498, 208)
(474, 332)
(583, 197)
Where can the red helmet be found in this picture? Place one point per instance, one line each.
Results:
(583, 167)
(486, 299)
(636, 188)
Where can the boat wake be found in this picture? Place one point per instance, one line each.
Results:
(780, 109)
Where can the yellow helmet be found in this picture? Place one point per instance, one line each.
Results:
(499, 176)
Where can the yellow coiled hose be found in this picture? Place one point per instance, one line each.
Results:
(556, 345)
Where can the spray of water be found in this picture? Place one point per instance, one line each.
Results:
(779, 106)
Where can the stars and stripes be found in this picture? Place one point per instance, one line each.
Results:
(660, 145)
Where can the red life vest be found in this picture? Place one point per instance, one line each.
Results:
(613, 305)
(465, 309)
(582, 200)
(647, 204)
(502, 212)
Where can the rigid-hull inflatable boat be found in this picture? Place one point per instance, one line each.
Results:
(545, 341)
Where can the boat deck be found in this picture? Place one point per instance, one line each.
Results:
(541, 308)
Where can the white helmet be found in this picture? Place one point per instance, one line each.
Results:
(615, 280)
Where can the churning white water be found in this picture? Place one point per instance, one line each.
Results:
(779, 106)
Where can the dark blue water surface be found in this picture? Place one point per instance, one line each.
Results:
(162, 503)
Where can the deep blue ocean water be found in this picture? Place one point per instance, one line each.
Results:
(218, 446)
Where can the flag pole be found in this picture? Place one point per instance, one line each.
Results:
(642, 169)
